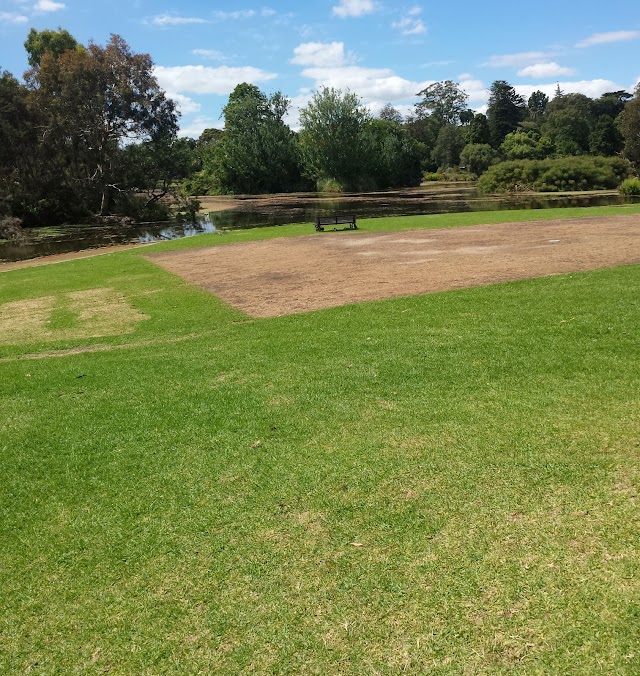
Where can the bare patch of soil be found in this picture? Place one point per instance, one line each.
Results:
(292, 275)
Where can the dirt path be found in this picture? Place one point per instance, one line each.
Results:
(289, 275)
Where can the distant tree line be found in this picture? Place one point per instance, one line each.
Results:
(88, 133)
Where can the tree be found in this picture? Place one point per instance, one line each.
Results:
(568, 130)
(448, 147)
(257, 152)
(610, 103)
(505, 112)
(39, 43)
(521, 145)
(91, 102)
(605, 138)
(390, 114)
(478, 132)
(392, 156)
(444, 101)
(537, 104)
(478, 157)
(331, 136)
(629, 125)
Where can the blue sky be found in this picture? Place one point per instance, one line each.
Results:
(384, 51)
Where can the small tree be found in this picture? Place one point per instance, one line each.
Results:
(448, 147)
(478, 157)
(444, 101)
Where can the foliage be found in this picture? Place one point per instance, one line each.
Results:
(478, 131)
(449, 145)
(54, 43)
(521, 145)
(443, 101)
(629, 125)
(390, 114)
(392, 156)
(554, 175)
(630, 187)
(478, 157)
(331, 137)
(257, 153)
(505, 111)
(537, 105)
(605, 137)
(85, 104)
(430, 176)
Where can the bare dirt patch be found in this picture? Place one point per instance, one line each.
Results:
(292, 275)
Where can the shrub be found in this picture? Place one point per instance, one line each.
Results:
(11, 228)
(630, 187)
(478, 157)
(431, 176)
(557, 175)
(329, 185)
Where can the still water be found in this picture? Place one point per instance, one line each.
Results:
(280, 210)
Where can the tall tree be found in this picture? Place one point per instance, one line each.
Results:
(94, 101)
(629, 125)
(505, 112)
(257, 152)
(331, 136)
(444, 101)
(537, 104)
(478, 132)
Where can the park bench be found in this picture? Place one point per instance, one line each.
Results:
(322, 221)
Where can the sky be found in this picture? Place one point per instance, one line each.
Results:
(383, 51)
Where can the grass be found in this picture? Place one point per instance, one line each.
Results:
(444, 483)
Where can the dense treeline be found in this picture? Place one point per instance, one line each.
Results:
(88, 133)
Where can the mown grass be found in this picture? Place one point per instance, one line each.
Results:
(440, 483)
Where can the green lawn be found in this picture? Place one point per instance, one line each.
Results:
(444, 483)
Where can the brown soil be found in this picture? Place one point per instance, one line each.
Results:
(291, 275)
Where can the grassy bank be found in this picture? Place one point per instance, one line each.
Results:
(437, 483)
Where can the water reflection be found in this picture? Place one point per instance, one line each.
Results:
(300, 208)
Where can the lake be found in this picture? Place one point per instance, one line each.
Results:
(262, 211)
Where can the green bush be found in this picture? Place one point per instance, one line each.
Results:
(555, 175)
(330, 185)
(431, 176)
(630, 187)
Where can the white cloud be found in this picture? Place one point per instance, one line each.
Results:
(198, 125)
(48, 6)
(474, 88)
(12, 17)
(371, 84)
(169, 20)
(207, 80)
(320, 54)
(605, 38)
(518, 60)
(590, 88)
(212, 54)
(237, 14)
(185, 104)
(409, 26)
(353, 8)
(544, 70)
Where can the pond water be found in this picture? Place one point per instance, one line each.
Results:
(299, 208)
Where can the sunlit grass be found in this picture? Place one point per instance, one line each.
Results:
(441, 483)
